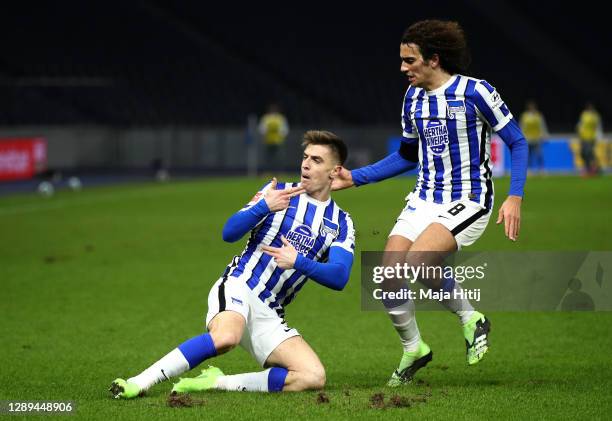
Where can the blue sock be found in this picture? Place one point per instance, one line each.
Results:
(448, 284)
(276, 379)
(401, 297)
(198, 349)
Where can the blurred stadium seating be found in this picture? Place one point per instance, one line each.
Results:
(191, 64)
(116, 86)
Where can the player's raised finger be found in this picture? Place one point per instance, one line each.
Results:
(273, 183)
(268, 249)
(296, 189)
(298, 192)
(284, 240)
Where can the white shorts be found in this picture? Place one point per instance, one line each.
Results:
(265, 329)
(465, 219)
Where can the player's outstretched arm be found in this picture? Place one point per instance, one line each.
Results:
(270, 200)
(333, 274)
(405, 159)
(244, 221)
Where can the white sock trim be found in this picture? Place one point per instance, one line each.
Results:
(170, 365)
(245, 382)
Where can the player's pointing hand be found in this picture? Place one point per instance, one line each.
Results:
(284, 256)
(278, 200)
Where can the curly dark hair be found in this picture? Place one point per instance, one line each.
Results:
(444, 38)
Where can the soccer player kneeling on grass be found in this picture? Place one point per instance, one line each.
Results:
(296, 232)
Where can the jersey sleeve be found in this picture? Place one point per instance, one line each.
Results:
(258, 196)
(346, 233)
(512, 136)
(333, 274)
(247, 218)
(491, 106)
(408, 130)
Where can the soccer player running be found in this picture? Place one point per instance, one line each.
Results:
(296, 232)
(447, 121)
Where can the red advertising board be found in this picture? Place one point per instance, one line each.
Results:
(22, 158)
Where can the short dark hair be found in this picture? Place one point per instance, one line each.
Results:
(444, 38)
(322, 137)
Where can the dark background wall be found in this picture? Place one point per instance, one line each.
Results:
(153, 63)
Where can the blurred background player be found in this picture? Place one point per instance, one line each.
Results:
(447, 121)
(274, 128)
(534, 128)
(589, 130)
(294, 227)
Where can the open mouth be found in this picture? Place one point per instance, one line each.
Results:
(305, 177)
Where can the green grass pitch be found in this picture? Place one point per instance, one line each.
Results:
(100, 284)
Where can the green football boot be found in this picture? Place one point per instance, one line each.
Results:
(204, 381)
(476, 333)
(124, 390)
(411, 362)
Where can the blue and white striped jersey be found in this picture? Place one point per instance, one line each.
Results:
(453, 126)
(311, 226)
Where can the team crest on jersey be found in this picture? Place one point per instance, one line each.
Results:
(328, 227)
(455, 107)
(436, 136)
(301, 238)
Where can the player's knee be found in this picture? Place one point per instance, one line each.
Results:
(318, 379)
(225, 340)
(313, 379)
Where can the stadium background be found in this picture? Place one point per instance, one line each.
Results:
(99, 283)
(114, 86)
